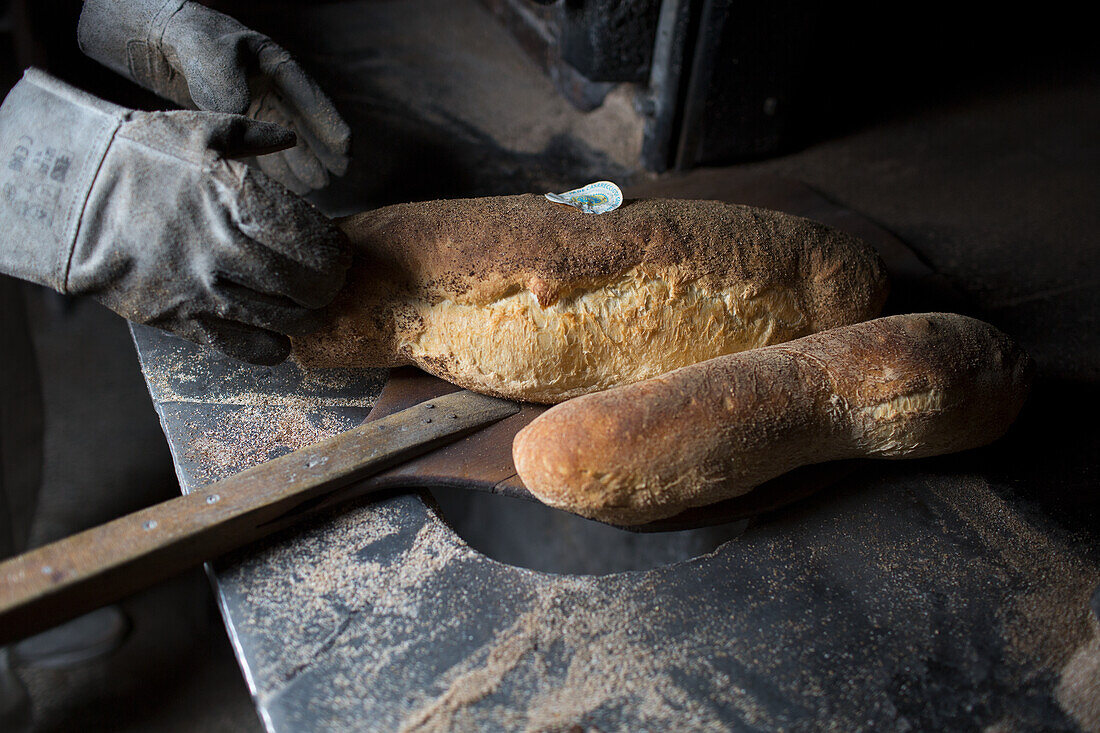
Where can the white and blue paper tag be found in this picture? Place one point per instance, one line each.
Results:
(595, 198)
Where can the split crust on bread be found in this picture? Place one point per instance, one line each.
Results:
(522, 298)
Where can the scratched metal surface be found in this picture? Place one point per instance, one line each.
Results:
(911, 596)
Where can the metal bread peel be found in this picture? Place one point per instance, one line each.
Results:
(51, 584)
(397, 449)
(423, 432)
(595, 198)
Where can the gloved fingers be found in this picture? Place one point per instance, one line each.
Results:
(217, 84)
(227, 66)
(306, 166)
(239, 302)
(301, 160)
(333, 157)
(237, 136)
(239, 340)
(276, 166)
(317, 120)
(290, 226)
(282, 286)
(281, 246)
(212, 52)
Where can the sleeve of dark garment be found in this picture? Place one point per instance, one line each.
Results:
(21, 421)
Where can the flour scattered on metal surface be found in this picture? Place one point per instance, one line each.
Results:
(382, 614)
(894, 600)
(249, 435)
(616, 664)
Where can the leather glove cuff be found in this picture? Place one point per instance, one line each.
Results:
(53, 140)
(125, 36)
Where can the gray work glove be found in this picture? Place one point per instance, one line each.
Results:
(203, 59)
(146, 212)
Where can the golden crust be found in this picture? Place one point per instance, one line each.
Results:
(898, 387)
(523, 298)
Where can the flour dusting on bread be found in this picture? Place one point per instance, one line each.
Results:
(518, 297)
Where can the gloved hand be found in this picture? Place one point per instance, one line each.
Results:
(148, 213)
(200, 58)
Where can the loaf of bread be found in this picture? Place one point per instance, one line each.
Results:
(898, 387)
(519, 297)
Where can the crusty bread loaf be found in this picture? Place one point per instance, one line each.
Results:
(898, 387)
(519, 297)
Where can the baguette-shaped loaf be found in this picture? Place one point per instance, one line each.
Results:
(897, 387)
(522, 298)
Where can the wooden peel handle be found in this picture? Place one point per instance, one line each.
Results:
(59, 581)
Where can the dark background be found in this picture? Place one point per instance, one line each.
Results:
(972, 136)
